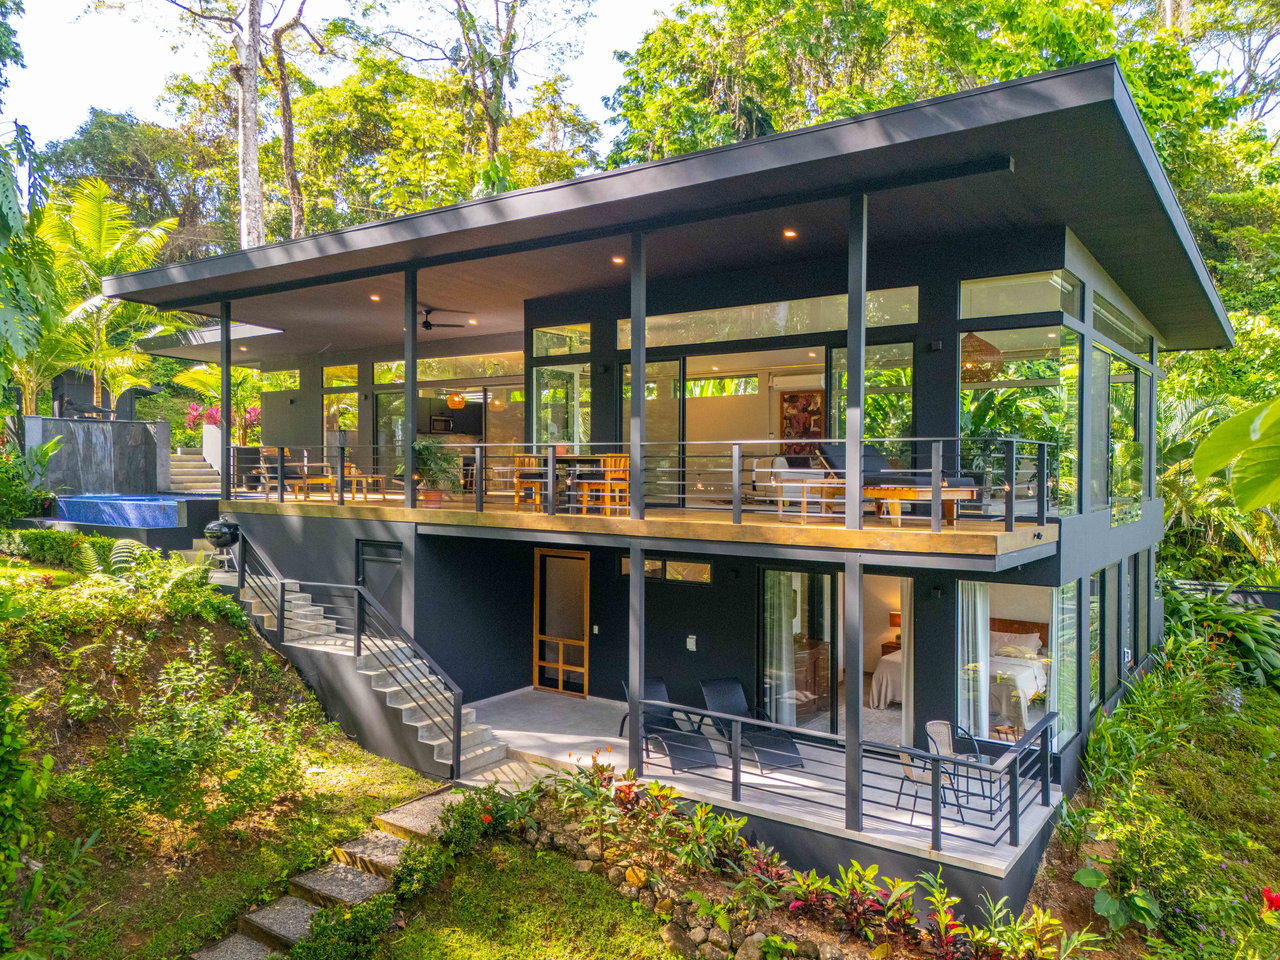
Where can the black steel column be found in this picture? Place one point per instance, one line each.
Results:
(856, 356)
(852, 640)
(410, 384)
(639, 308)
(225, 362)
(635, 660)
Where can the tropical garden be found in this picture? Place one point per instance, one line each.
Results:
(161, 768)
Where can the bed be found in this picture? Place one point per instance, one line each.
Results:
(1018, 669)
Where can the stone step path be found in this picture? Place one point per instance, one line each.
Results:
(361, 869)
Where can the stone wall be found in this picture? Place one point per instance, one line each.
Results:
(103, 456)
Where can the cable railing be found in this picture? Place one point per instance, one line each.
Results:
(904, 480)
(295, 611)
(978, 798)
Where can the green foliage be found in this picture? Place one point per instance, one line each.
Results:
(197, 755)
(347, 933)
(1250, 635)
(422, 866)
(438, 468)
(23, 785)
(53, 547)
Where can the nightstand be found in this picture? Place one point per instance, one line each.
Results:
(890, 646)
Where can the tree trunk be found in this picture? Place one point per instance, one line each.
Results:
(297, 210)
(253, 232)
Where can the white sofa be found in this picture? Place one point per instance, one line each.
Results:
(772, 478)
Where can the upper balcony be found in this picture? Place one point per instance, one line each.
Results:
(984, 497)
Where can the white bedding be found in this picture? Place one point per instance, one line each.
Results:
(1009, 676)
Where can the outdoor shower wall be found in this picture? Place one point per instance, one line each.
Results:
(104, 456)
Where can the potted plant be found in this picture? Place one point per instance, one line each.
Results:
(437, 469)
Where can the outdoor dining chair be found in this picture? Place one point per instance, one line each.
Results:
(773, 749)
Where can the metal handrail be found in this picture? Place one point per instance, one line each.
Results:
(701, 712)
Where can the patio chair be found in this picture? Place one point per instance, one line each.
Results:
(686, 749)
(943, 742)
(917, 772)
(773, 749)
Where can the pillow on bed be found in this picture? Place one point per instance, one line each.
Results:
(1023, 645)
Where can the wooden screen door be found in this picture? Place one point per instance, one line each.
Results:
(561, 616)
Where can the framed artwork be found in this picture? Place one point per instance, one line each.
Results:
(803, 417)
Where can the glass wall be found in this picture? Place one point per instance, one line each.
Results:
(1018, 658)
(1116, 452)
(562, 404)
(887, 385)
(1044, 292)
(430, 369)
(340, 376)
(562, 341)
(1024, 383)
(885, 308)
(1095, 640)
(798, 624)
(1141, 582)
(661, 428)
(1110, 321)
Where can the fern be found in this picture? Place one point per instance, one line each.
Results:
(84, 561)
(124, 556)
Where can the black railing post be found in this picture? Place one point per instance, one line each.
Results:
(279, 474)
(242, 548)
(735, 758)
(342, 474)
(935, 802)
(359, 625)
(457, 734)
(736, 474)
(1014, 838)
(1042, 483)
(935, 480)
(1011, 482)
(551, 480)
(1044, 766)
(477, 479)
(280, 611)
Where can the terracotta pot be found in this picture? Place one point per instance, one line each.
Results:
(431, 499)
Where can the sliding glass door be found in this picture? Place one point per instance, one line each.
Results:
(800, 667)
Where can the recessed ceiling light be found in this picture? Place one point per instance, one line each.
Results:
(473, 321)
(812, 354)
(619, 260)
(1053, 336)
(789, 233)
(715, 368)
(244, 348)
(375, 297)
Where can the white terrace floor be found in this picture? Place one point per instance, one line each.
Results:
(545, 730)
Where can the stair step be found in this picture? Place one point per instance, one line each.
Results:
(416, 819)
(337, 884)
(414, 716)
(487, 753)
(235, 947)
(280, 924)
(373, 852)
(473, 737)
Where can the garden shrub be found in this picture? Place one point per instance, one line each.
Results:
(423, 864)
(347, 933)
(196, 756)
(1251, 635)
(52, 548)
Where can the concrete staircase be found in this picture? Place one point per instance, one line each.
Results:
(360, 869)
(191, 473)
(394, 670)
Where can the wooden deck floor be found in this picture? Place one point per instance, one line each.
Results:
(969, 536)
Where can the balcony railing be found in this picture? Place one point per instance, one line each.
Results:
(928, 480)
(943, 798)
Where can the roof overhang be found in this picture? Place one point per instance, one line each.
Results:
(1081, 159)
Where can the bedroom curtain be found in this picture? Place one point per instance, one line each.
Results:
(974, 621)
(906, 601)
(781, 606)
(1063, 663)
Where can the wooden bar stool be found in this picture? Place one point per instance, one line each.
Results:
(530, 475)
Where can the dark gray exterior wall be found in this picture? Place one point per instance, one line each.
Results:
(104, 456)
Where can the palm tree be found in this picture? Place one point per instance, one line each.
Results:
(92, 237)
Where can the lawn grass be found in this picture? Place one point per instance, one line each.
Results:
(61, 576)
(140, 911)
(514, 903)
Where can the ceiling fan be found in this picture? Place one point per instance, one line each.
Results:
(428, 324)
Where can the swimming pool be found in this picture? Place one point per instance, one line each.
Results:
(122, 510)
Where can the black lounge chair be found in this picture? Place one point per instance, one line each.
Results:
(773, 749)
(686, 749)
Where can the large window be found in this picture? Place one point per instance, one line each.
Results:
(1024, 383)
(1110, 321)
(562, 341)
(885, 308)
(1044, 292)
(1018, 658)
(1116, 452)
(344, 375)
(478, 367)
(887, 385)
(562, 404)
(800, 675)
(1095, 639)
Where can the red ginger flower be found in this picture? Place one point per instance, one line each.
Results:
(1270, 901)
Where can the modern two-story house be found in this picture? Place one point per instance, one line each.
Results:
(814, 473)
